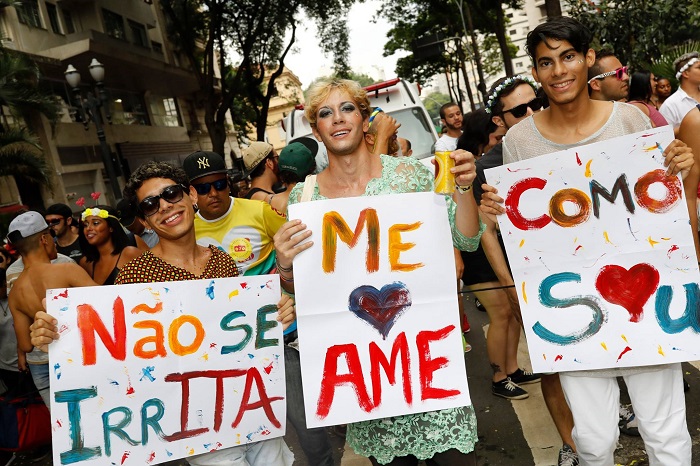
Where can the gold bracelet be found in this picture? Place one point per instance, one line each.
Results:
(463, 189)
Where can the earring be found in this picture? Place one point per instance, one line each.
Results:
(195, 207)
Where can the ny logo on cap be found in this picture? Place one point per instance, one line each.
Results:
(203, 162)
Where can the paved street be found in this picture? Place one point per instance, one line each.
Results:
(517, 433)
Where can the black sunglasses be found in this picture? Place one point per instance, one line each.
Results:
(55, 222)
(519, 111)
(172, 194)
(204, 188)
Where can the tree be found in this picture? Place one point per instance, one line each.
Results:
(20, 156)
(363, 79)
(433, 102)
(413, 20)
(244, 40)
(639, 31)
(553, 8)
(20, 153)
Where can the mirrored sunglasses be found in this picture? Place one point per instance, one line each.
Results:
(204, 188)
(172, 194)
(520, 111)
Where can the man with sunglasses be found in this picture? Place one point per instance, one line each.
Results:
(60, 219)
(31, 236)
(607, 78)
(244, 229)
(241, 227)
(687, 96)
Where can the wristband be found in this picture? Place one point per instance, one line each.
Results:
(463, 189)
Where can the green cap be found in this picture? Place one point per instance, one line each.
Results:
(296, 158)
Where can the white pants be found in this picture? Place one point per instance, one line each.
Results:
(273, 452)
(659, 406)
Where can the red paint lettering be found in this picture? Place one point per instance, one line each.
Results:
(427, 365)
(378, 359)
(331, 378)
(513, 203)
(89, 323)
(265, 402)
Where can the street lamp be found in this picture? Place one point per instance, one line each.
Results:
(90, 109)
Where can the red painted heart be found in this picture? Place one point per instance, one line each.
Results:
(630, 289)
(380, 308)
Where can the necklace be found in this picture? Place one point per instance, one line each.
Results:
(5, 307)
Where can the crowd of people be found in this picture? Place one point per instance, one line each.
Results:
(182, 223)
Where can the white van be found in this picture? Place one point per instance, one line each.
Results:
(396, 97)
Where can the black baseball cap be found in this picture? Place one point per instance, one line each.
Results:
(203, 163)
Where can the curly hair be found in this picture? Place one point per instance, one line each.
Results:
(150, 170)
(322, 89)
(120, 240)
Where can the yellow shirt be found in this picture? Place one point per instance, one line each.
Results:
(245, 232)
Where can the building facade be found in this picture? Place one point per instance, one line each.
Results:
(151, 93)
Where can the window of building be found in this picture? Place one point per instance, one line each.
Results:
(114, 24)
(128, 108)
(509, 15)
(513, 32)
(68, 21)
(164, 111)
(157, 47)
(519, 64)
(53, 18)
(29, 13)
(138, 34)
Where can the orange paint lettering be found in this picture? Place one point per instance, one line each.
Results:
(396, 247)
(157, 340)
(335, 226)
(174, 330)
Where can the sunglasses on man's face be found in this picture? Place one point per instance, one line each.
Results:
(172, 194)
(520, 111)
(619, 73)
(54, 222)
(204, 188)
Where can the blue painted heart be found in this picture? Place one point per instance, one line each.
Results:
(380, 308)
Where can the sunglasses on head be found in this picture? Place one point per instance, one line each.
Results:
(619, 74)
(172, 194)
(520, 111)
(204, 188)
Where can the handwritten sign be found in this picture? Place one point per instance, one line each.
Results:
(147, 373)
(600, 247)
(377, 309)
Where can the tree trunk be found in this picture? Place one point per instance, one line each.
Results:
(553, 8)
(503, 41)
(477, 54)
(463, 68)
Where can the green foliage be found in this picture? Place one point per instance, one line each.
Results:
(663, 66)
(416, 19)
(639, 31)
(20, 153)
(19, 88)
(247, 41)
(433, 102)
(363, 79)
(20, 156)
(492, 59)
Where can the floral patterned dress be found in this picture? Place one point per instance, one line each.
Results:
(423, 434)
